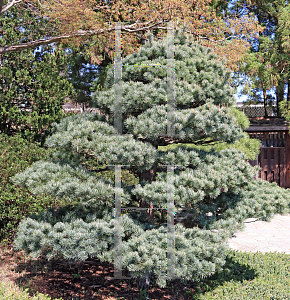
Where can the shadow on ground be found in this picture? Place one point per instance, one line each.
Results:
(91, 279)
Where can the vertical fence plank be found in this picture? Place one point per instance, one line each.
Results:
(274, 156)
(269, 155)
(275, 164)
(283, 167)
(262, 162)
(287, 148)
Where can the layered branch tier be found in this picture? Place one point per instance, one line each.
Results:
(79, 240)
(190, 125)
(86, 136)
(198, 79)
(217, 173)
(203, 177)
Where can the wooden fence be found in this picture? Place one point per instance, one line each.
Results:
(273, 156)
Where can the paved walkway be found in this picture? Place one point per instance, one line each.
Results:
(263, 236)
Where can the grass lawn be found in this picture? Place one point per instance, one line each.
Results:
(249, 276)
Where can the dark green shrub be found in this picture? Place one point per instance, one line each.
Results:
(33, 84)
(16, 154)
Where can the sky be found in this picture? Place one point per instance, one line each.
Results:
(240, 98)
(243, 98)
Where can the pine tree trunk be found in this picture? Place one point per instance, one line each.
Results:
(144, 282)
(150, 210)
(265, 102)
(279, 95)
(148, 175)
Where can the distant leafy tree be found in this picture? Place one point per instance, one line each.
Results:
(33, 86)
(261, 76)
(266, 64)
(92, 22)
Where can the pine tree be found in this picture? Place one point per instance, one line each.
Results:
(214, 191)
(266, 64)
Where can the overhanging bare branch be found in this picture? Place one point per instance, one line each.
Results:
(8, 5)
(128, 28)
(133, 28)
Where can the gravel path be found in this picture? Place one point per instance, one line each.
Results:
(263, 236)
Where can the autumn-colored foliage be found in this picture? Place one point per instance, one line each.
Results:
(197, 15)
(92, 22)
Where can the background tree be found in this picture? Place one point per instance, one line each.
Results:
(33, 84)
(82, 74)
(284, 33)
(261, 78)
(93, 25)
(219, 183)
(266, 64)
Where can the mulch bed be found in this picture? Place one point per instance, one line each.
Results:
(86, 280)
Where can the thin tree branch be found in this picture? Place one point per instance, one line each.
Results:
(128, 28)
(165, 141)
(133, 28)
(8, 5)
